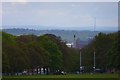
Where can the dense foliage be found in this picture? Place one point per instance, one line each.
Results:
(106, 52)
(49, 51)
(30, 51)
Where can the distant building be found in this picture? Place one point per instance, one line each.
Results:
(74, 42)
(77, 43)
(69, 45)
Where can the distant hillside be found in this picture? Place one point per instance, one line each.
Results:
(66, 35)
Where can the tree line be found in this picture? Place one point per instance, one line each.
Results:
(106, 47)
(49, 51)
(31, 51)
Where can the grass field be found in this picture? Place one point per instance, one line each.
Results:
(66, 77)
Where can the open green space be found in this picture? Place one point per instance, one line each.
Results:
(68, 76)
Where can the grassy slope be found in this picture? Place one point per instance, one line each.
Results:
(69, 76)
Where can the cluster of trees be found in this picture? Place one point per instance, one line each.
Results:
(106, 52)
(49, 51)
(30, 51)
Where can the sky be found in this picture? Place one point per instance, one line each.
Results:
(60, 15)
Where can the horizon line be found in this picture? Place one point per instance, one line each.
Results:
(60, 29)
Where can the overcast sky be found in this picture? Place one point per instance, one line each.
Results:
(60, 15)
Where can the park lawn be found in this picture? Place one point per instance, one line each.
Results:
(68, 76)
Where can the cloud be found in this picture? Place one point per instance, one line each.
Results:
(62, 18)
(14, 2)
(58, 14)
(107, 22)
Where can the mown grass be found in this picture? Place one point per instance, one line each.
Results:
(66, 77)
